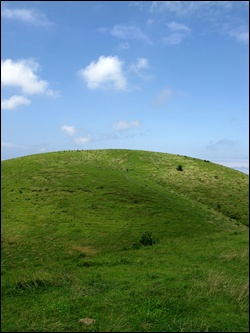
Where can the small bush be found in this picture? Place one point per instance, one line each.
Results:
(147, 239)
(179, 168)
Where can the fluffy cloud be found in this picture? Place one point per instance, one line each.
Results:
(129, 32)
(178, 27)
(242, 37)
(82, 140)
(13, 102)
(69, 130)
(208, 11)
(241, 34)
(141, 63)
(125, 125)
(177, 31)
(191, 7)
(22, 74)
(163, 96)
(26, 15)
(104, 73)
(173, 39)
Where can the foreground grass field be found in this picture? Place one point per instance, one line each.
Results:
(72, 259)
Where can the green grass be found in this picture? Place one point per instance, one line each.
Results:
(71, 228)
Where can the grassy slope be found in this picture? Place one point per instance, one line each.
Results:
(70, 223)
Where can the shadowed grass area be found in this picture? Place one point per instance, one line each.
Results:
(72, 229)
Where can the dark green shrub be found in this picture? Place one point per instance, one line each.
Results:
(147, 239)
(179, 168)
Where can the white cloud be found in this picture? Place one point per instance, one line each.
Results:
(243, 37)
(139, 4)
(178, 26)
(22, 74)
(173, 39)
(129, 32)
(125, 125)
(69, 130)
(217, 14)
(241, 34)
(178, 31)
(142, 63)
(163, 96)
(177, 7)
(7, 144)
(82, 140)
(182, 8)
(13, 102)
(26, 15)
(105, 73)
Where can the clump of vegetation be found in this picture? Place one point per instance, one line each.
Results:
(179, 168)
(147, 239)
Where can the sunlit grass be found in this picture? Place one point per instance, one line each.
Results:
(71, 229)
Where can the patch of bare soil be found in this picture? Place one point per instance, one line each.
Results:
(86, 321)
(86, 249)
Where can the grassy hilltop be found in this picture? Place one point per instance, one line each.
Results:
(123, 241)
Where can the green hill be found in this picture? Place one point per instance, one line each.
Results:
(76, 233)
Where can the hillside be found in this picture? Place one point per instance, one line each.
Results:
(72, 223)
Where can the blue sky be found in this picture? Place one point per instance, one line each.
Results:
(165, 76)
